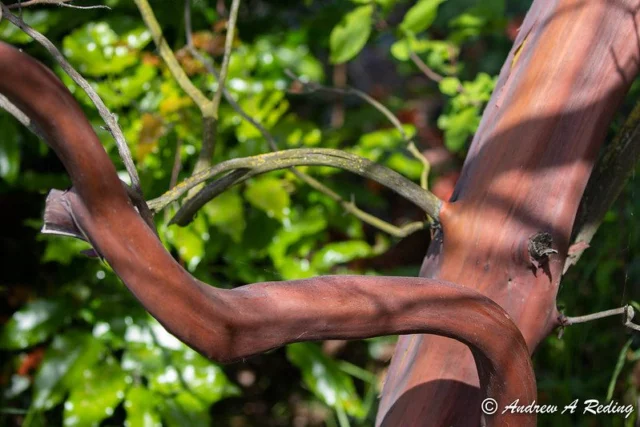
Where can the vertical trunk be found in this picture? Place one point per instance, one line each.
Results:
(525, 173)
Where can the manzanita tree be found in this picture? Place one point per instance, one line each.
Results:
(500, 244)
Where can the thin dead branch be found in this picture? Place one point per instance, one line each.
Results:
(61, 3)
(627, 310)
(613, 168)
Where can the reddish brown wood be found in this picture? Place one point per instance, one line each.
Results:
(525, 174)
(226, 325)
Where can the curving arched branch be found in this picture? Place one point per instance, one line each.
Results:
(226, 325)
(247, 167)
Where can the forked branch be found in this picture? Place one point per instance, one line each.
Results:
(226, 325)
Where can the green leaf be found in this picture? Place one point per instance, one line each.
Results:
(469, 21)
(339, 253)
(622, 356)
(121, 92)
(110, 321)
(185, 410)
(62, 250)
(325, 379)
(374, 145)
(41, 182)
(476, 20)
(147, 360)
(141, 406)
(64, 364)
(170, 371)
(17, 385)
(275, 55)
(420, 16)
(95, 396)
(351, 34)
(106, 47)
(387, 138)
(437, 54)
(486, 17)
(292, 268)
(34, 323)
(266, 108)
(310, 68)
(40, 20)
(401, 49)
(296, 132)
(243, 62)
(492, 8)
(188, 242)
(258, 236)
(458, 126)
(480, 88)
(9, 149)
(408, 166)
(313, 221)
(449, 86)
(152, 333)
(226, 212)
(204, 379)
(269, 195)
(59, 357)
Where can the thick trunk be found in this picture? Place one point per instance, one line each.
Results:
(525, 173)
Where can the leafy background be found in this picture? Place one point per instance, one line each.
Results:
(79, 350)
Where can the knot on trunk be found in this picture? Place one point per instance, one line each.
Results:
(540, 247)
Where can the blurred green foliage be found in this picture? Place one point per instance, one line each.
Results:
(81, 351)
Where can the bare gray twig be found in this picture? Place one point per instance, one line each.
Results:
(315, 87)
(62, 3)
(626, 310)
(567, 321)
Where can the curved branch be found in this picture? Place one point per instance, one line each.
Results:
(284, 159)
(230, 324)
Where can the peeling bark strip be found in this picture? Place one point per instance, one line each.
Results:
(525, 174)
(226, 325)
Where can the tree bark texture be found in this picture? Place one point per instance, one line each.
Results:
(524, 176)
(228, 325)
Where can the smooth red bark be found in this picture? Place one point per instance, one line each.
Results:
(227, 325)
(525, 174)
